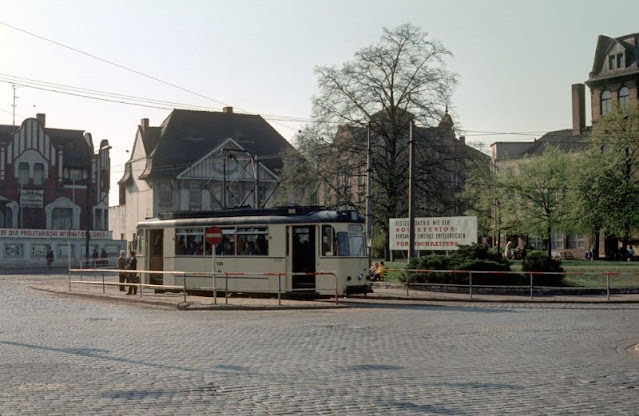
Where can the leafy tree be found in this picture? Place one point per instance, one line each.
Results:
(484, 195)
(589, 195)
(616, 139)
(541, 194)
(386, 86)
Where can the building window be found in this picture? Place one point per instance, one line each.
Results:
(38, 174)
(165, 195)
(624, 97)
(611, 62)
(195, 196)
(62, 219)
(23, 173)
(5, 216)
(620, 63)
(606, 102)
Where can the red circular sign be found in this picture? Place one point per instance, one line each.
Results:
(213, 235)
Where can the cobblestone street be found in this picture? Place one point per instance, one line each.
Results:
(72, 356)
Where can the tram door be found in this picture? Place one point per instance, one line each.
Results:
(303, 257)
(156, 255)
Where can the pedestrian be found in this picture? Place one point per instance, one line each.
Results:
(380, 271)
(122, 265)
(132, 264)
(373, 269)
(49, 257)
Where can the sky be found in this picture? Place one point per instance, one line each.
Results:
(516, 60)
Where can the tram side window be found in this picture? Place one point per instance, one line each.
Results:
(252, 241)
(189, 241)
(329, 245)
(226, 247)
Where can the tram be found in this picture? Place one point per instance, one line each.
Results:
(312, 251)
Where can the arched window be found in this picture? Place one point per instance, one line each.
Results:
(624, 97)
(23, 173)
(38, 174)
(606, 102)
(62, 219)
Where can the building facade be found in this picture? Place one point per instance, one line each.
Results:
(441, 167)
(196, 161)
(613, 82)
(54, 191)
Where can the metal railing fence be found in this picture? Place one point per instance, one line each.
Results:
(409, 279)
(88, 276)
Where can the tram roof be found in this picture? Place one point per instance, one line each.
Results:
(279, 215)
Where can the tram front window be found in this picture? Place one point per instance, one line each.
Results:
(342, 243)
(350, 244)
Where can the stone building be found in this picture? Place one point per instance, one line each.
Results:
(54, 190)
(613, 82)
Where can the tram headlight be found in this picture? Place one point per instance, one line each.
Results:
(360, 276)
(348, 278)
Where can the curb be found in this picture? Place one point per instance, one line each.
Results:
(188, 306)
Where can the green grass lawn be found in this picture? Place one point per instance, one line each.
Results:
(580, 273)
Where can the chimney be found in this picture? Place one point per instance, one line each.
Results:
(462, 139)
(578, 109)
(227, 110)
(144, 124)
(42, 118)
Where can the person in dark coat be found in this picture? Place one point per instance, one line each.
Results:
(132, 264)
(49, 257)
(122, 265)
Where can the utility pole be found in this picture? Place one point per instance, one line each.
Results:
(411, 193)
(369, 196)
(14, 103)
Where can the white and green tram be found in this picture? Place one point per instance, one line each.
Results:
(294, 250)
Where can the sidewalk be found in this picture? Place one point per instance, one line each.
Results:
(382, 293)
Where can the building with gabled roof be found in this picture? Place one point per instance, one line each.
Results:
(198, 160)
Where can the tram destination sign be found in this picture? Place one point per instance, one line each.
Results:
(434, 233)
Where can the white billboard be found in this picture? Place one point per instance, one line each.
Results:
(434, 233)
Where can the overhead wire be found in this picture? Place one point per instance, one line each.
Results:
(168, 105)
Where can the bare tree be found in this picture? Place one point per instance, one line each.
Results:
(401, 79)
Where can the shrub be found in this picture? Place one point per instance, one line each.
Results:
(538, 261)
(473, 257)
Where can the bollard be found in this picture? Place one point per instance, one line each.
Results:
(608, 286)
(470, 283)
(103, 291)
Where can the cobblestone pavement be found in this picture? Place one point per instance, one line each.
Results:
(73, 356)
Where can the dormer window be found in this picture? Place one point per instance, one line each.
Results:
(616, 61)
